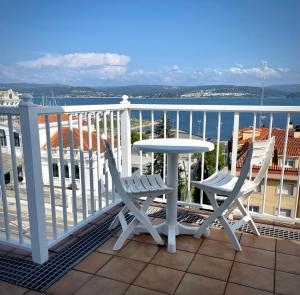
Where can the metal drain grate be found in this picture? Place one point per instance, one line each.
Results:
(40, 277)
(183, 216)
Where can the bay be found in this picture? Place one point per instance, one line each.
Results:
(246, 119)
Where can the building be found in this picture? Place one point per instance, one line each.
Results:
(290, 186)
(9, 98)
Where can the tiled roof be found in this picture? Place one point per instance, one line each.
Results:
(293, 148)
(52, 118)
(66, 139)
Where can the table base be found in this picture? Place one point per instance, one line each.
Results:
(171, 231)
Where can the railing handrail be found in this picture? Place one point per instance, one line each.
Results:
(214, 108)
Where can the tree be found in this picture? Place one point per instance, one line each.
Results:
(135, 136)
(209, 169)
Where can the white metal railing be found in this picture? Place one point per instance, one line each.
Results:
(54, 206)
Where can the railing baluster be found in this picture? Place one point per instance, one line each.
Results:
(202, 155)
(251, 166)
(91, 163)
(234, 142)
(4, 198)
(50, 171)
(16, 180)
(105, 162)
(99, 171)
(189, 161)
(283, 162)
(141, 137)
(177, 124)
(72, 160)
(62, 172)
(165, 136)
(266, 177)
(112, 142)
(218, 142)
(82, 167)
(118, 142)
(152, 136)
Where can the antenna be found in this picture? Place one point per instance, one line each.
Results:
(264, 66)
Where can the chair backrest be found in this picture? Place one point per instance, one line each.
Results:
(262, 156)
(113, 168)
(259, 153)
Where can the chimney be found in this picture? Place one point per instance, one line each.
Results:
(297, 131)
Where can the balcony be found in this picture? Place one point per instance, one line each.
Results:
(59, 194)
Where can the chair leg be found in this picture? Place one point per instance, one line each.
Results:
(125, 234)
(232, 237)
(245, 213)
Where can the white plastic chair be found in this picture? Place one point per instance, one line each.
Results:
(130, 189)
(233, 189)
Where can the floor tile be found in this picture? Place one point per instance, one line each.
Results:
(139, 251)
(288, 263)
(213, 267)
(69, 283)
(145, 238)
(252, 276)
(261, 242)
(159, 278)
(107, 247)
(135, 290)
(197, 285)
(188, 243)
(287, 283)
(257, 257)
(291, 247)
(220, 235)
(179, 260)
(217, 249)
(93, 262)
(234, 289)
(122, 269)
(10, 289)
(102, 286)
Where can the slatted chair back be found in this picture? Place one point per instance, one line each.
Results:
(113, 169)
(262, 155)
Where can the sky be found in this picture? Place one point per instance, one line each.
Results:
(139, 42)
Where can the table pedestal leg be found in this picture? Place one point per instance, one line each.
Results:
(171, 227)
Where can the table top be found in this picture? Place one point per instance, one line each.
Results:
(173, 145)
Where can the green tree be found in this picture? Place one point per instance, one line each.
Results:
(135, 136)
(209, 169)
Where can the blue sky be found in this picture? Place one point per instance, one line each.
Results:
(150, 42)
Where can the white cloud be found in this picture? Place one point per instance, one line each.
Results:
(257, 71)
(77, 60)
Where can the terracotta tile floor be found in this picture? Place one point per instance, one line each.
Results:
(200, 266)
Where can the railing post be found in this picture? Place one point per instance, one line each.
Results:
(126, 138)
(34, 181)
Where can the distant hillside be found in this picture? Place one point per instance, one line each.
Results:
(153, 91)
(286, 88)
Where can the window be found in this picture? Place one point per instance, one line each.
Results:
(287, 189)
(55, 170)
(7, 178)
(77, 174)
(67, 175)
(284, 212)
(3, 138)
(16, 139)
(289, 163)
(253, 208)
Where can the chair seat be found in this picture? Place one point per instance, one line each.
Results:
(136, 185)
(221, 182)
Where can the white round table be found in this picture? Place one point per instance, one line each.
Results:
(172, 147)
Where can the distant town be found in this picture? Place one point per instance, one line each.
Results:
(151, 91)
